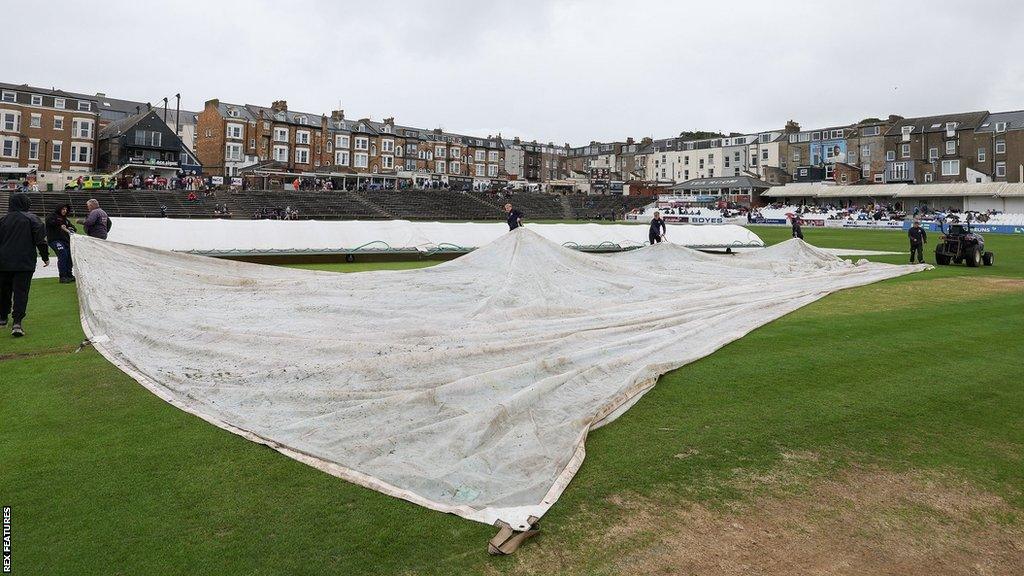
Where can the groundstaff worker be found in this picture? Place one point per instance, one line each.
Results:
(58, 232)
(97, 224)
(798, 231)
(657, 231)
(918, 238)
(514, 218)
(22, 234)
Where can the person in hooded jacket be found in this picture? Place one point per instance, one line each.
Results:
(58, 232)
(22, 234)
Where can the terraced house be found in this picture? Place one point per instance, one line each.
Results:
(1000, 146)
(942, 148)
(47, 130)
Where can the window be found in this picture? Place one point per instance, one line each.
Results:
(455, 167)
(56, 148)
(235, 131)
(905, 151)
(84, 106)
(928, 177)
(37, 100)
(233, 112)
(890, 155)
(478, 169)
(764, 154)
(981, 154)
(899, 171)
(479, 155)
(906, 130)
(11, 121)
(233, 152)
(865, 170)
(388, 161)
(865, 151)
(815, 135)
(341, 157)
(878, 178)
(81, 128)
(1000, 169)
(872, 131)
(1000, 126)
(281, 135)
(796, 155)
(302, 155)
(950, 167)
(373, 149)
(81, 153)
(398, 150)
(439, 152)
(933, 153)
(302, 137)
(361, 159)
(362, 143)
(9, 96)
(59, 103)
(302, 120)
(33, 149)
(281, 153)
(35, 121)
(58, 122)
(951, 147)
(439, 166)
(492, 170)
(455, 152)
(341, 141)
(252, 142)
(950, 126)
(492, 156)
(148, 138)
(1000, 146)
(9, 147)
(266, 125)
(387, 146)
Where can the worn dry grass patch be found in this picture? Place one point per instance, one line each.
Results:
(862, 521)
(890, 296)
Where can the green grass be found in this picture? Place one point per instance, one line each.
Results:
(105, 478)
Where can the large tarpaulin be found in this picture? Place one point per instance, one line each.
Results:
(303, 236)
(468, 387)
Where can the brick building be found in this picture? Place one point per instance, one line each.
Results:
(47, 130)
(1001, 146)
(942, 148)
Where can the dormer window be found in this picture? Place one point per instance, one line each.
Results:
(302, 120)
(233, 112)
(1000, 126)
(950, 125)
(907, 129)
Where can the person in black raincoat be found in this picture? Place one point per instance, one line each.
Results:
(22, 235)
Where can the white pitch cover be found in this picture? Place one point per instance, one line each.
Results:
(468, 387)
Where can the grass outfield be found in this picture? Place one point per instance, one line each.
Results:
(881, 424)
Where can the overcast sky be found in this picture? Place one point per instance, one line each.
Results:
(562, 71)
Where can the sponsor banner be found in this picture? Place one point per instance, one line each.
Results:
(785, 222)
(694, 219)
(217, 180)
(877, 224)
(979, 228)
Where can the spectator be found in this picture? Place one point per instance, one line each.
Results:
(97, 224)
(58, 231)
(22, 234)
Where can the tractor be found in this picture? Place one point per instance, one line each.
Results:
(960, 244)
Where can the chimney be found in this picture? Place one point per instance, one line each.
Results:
(390, 121)
(647, 140)
(894, 118)
(337, 115)
(516, 139)
(212, 103)
(791, 127)
(279, 106)
(630, 140)
(101, 95)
